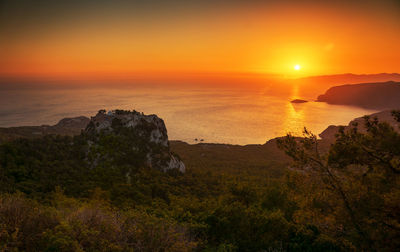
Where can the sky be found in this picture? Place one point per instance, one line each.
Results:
(121, 39)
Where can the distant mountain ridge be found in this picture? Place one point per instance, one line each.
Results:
(349, 78)
(381, 95)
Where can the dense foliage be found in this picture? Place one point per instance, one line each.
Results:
(351, 193)
(64, 194)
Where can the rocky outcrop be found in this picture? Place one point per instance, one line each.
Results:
(75, 123)
(330, 132)
(140, 138)
(383, 116)
(383, 95)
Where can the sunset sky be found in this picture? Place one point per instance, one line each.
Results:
(83, 39)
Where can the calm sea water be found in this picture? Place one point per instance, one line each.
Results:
(217, 115)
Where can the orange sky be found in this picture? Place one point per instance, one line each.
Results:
(83, 40)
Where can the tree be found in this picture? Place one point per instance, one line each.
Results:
(354, 186)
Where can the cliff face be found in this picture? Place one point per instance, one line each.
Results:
(130, 135)
(384, 95)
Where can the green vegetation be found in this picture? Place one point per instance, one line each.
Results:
(60, 193)
(351, 193)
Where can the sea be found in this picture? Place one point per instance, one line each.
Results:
(194, 114)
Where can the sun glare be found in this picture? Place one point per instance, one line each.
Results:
(297, 67)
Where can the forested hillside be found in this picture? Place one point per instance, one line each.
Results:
(54, 197)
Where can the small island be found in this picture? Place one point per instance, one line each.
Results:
(298, 101)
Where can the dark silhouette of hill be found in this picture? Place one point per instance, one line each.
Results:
(382, 95)
(314, 85)
(67, 126)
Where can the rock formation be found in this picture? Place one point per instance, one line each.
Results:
(141, 138)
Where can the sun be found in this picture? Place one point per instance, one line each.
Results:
(297, 67)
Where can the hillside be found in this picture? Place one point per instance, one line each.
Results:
(312, 86)
(235, 159)
(382, 95)
(66, 127)
(329, 133)
(109, 185)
